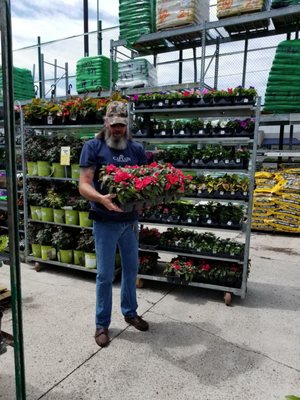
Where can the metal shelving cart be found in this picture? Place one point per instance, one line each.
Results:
(210, 113)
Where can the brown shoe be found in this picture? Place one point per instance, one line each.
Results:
(101, 337)
(137, 322)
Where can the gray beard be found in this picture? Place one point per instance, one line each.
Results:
(116, 143)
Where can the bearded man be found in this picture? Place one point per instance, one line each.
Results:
(111, 226)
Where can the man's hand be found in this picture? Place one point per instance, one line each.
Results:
(107, 202)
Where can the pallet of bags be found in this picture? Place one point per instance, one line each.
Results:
(176, 13)
(22, 83)
(93, 74)
(287, 20)
(287, 199)
(234, 8)
(136, 18)
(136, 73)
(283, 86)
(263, 201)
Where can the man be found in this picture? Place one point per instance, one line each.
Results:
(112, 226)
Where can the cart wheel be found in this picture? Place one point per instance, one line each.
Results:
(37, 266)
(228, 298)
(139, 283)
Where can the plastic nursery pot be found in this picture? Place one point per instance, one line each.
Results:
(90, 260)
(48, 253)
(43, 168)
(78, 257)
(47, 214)
(36, 213)
(36, 250)
(84, 219)
(75, 171)
(71, 217)
(65, 256)
(58, 170)
(32, 168)
(59, 216)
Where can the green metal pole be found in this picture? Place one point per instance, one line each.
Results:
(9, 127)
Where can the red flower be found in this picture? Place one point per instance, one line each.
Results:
(111, 168)
(122, 176)
(205, 267)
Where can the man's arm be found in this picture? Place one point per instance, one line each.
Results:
(87, 190)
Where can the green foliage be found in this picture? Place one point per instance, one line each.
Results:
(86, 241)
(63, 239)
(45, 234)
(54, 199)
(3, 242)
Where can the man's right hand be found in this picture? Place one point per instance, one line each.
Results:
(107, 201)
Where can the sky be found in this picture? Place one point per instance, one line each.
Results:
(56, 19)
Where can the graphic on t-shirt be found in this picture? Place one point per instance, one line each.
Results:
(121, 159)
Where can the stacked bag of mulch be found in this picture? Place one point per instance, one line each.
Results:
(136, 18)
(177, 13)
(93, 74)
(22, 83)
(235, 8)
(276, 203)
(136, 73)
(283, 87)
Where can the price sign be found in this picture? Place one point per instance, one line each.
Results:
(65, 153)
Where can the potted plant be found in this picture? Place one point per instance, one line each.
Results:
(76, 145)
(147, 262)
(86, 244)
(178, 128)
(246, 127)
(149, 237)
(83, 207)
(56, 201)
(63, 241)
(36, 112)
(44, 238)
(32, 239)
(223, 97)
(207, 97)
(244, 96)
(182, 268)
(197, 126)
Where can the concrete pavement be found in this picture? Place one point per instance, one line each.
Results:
(196, 348)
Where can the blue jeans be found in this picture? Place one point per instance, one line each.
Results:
(109, 235)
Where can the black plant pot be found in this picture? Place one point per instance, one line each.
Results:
(223, 100)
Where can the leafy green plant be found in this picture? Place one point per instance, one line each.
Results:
(82, 204)
(86, 241)
(3, 242)
(241, 91)
(196, 124)
(44, 235)
(54, 199)
(63, 239)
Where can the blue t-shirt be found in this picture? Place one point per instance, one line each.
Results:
(96, 153)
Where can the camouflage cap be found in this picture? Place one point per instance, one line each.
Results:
(116, 113)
